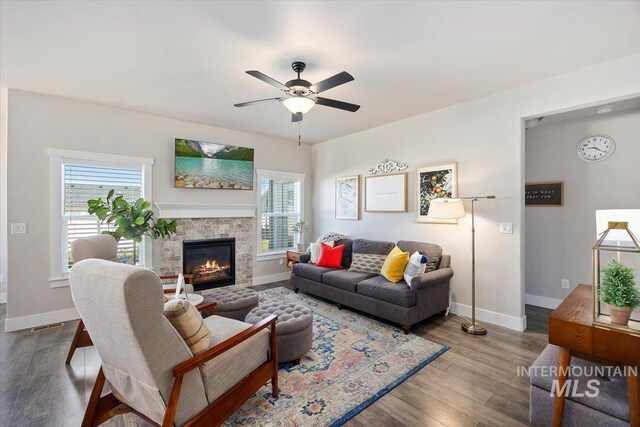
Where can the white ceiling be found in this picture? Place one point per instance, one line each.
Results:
(187, 59)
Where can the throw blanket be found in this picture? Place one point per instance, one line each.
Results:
(331, 236)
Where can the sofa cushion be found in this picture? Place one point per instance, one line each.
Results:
(345, 280)
(330, 256)
(378, 247)
(347, 253)
(432, 251)
(311, 271)
(393, 267)
(612, 392)
(367, 263)
(395, 293)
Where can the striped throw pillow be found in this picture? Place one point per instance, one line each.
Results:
(367, 263)
(189, 324)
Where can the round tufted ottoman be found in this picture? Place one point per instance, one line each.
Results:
(294, 328)
(233, 303)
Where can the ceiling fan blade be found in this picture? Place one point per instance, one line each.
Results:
(259, 101)
(296, 117)
(267, 79)
(337, 80)
(337, 104)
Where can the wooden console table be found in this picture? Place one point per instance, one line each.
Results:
(571, 328)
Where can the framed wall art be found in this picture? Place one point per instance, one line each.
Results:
(434, 182)
(348, 197)
(202, 164)
(549, 194)
(386, 193)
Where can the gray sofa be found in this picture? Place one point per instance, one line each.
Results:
(609, 408)
(372, 293)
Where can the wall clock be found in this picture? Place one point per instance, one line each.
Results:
(596, 148)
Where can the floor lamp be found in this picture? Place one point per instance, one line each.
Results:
(445, 208)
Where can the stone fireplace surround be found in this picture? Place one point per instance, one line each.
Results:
(208, 222)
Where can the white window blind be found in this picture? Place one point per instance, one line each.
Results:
(82, 182)
(280, 204)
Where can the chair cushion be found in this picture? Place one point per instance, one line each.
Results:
(612, 396)
(344, 279)
(189, 324)
(226, 370)
(432, 251)
(395, 293)
(310, 271)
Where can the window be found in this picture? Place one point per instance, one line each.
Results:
(77, 177)
(83, 182)
(280, 206)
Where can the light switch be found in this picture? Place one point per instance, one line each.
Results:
(19, 228)
(506, 227)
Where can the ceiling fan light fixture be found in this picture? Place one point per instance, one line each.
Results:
(299, 104)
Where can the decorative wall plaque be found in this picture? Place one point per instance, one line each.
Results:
(387, 166)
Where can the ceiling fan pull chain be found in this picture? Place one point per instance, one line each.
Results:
(299, 138)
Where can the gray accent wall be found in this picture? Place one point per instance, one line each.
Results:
(559, 239)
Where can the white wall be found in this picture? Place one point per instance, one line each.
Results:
(485, 137)
(559, 239)
(38, 122)
(3, 193)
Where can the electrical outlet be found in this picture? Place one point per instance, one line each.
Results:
(565, 284)
(19, 228)
(506, 227)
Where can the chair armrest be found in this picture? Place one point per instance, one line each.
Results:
(431, 278)
(201, 358)
(304, 258)
(208, 307)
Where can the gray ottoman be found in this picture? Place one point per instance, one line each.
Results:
(294, 328)
(233, 303)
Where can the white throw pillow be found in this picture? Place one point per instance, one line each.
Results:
(416, 266)
(315, 250)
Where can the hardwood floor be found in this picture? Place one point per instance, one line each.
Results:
(472, 384)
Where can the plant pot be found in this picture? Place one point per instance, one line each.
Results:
(620, 315)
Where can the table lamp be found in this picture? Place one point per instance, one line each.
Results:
(445, 208)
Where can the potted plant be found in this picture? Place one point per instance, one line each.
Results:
(300, 228)
(131, 220)
(618, 291)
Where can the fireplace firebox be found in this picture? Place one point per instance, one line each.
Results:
(211, 262)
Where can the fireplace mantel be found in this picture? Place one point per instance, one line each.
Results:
(204, 210)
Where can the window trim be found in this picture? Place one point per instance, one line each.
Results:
(271, 174)
(57, 157)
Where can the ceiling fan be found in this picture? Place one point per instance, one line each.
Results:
(301, 95)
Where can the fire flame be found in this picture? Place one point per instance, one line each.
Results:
(212, 265)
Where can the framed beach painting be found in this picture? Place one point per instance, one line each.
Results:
(202, 164)
(434, 182)
(386, 193)
(348, 197)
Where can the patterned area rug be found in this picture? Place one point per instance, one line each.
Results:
(354, 361)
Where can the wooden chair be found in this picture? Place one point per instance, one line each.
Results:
(148, 366)
(100, 246)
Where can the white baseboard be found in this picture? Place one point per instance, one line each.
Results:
(41, 319)
(3, 298)
(270, 278)
(487, 316)
(539, 301)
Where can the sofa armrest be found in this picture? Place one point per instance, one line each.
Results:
(431, 278)
(304, 258)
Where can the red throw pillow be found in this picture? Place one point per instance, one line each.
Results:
(330, 257)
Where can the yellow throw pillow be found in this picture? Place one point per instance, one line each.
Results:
(189, 323)
(393, 267)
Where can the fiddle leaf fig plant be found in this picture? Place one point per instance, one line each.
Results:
(131, 220)
(617, 286)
